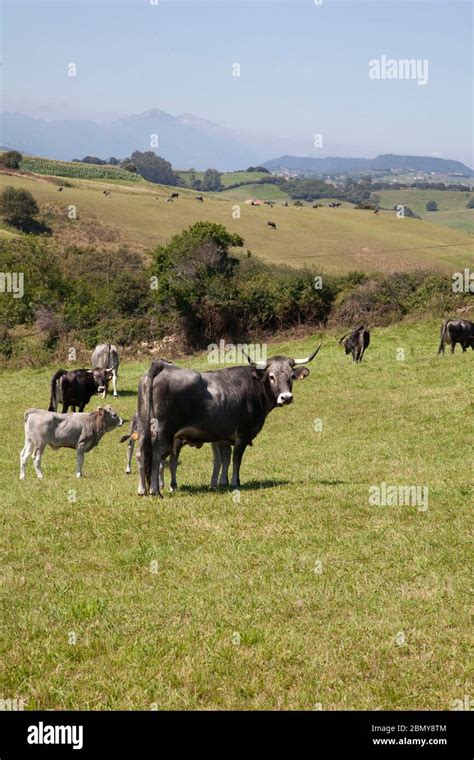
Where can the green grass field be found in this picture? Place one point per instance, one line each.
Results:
(452, 206)
(228, 178)
(333, 240)
(266, 192)
(299, 596)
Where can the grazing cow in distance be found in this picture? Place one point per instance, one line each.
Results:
(200, 198)
(356, 342)
(174, 195)
(60, 189)
(221, 458)
(76, 387)
(107, 193)
(285, 204)
(456, 331)
(80, 431)
(272, 225)
(229, 405)
(105, 356)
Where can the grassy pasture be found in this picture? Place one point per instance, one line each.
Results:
(316, 584)
(452, 206)
(333, 240)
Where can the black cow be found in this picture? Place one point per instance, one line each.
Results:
(272, 225)
(226, 405)
(356, 342)
(200, 198)
(107, 193)
(174, 195)
(456, 331)
(76, 388)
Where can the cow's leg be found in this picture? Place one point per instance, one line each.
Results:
(239, 449)
(174, 461)
(464, 347)
(217, 462)
(24, 456)
(141, 472)
(158, 451)
(225, 450)
(130, 447)
(114, 382)
(453, 346)
(79, 461)
(38, 453)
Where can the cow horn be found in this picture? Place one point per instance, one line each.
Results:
(259, 365)
(310, 358)
(339, 340)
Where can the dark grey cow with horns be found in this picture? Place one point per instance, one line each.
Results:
(356, 342)
(225, 405)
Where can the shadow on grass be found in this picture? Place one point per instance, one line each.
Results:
(251, 485)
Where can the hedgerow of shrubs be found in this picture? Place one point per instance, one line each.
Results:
(200, 287)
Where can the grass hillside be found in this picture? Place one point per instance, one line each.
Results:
(228, 178)
(296, 594)
(337, 240)
(265, 192)
(452, 206)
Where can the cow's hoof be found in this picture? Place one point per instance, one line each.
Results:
(115, 395)
(22, 477)
(128, 472)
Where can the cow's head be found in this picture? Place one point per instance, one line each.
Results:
(101, 378)
(107, 418)
(348, 340)
(277, 375)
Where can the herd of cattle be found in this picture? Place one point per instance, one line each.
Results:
(177, 407)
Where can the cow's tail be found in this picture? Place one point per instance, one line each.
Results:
(147, 449)
(444, 328)
(53, 403)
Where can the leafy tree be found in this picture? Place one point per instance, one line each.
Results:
(194, 273)
(93, 160)
(152, 167)
(114, 161)
(212, 180)
(10, 159)
(129, 167)
(18, 207)
(432, 206)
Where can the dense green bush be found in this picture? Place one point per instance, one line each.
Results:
(10, 159)
(18, 207)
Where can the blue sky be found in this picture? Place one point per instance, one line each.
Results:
(304, 68)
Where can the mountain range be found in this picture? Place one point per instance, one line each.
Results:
(187, 141)
(386, 162)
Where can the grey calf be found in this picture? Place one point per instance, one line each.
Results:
(81, 431)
